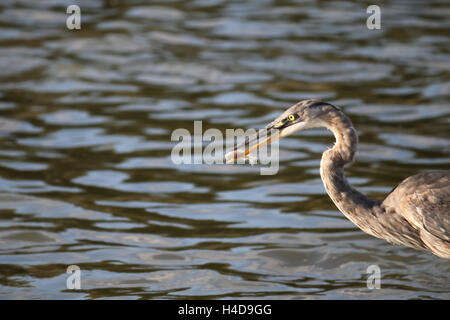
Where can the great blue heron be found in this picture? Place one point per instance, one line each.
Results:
(416, 213)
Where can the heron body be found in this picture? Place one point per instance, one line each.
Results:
(415, 214)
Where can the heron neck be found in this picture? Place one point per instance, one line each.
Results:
(352, 203)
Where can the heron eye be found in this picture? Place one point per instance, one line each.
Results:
(291, 117)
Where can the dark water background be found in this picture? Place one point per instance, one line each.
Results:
(85, 124)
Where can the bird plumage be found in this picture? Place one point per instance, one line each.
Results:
(424, 201)
(415, 214)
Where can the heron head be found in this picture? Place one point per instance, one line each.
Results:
(303, 115)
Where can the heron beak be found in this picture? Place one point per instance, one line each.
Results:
(262, 138)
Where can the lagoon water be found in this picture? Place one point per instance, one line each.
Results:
(86, 118)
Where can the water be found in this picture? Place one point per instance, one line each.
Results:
(85, 124)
